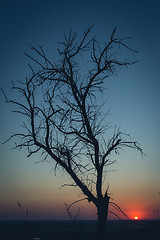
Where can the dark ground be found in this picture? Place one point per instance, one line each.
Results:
(83, 230)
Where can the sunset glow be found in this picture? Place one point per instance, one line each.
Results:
(130, 100)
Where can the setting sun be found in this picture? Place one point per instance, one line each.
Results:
(136, 218)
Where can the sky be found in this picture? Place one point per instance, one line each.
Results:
(133, 96)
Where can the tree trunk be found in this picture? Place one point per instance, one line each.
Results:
(102, 212)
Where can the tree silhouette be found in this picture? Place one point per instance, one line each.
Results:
(63, 117)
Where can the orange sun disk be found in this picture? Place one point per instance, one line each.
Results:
(136, 218)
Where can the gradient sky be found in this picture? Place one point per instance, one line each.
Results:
(133, 97)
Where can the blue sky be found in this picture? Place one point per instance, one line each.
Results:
(133, 97)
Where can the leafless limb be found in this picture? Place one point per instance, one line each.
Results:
(68, 185)
(80, 200)
(119, 209)
(113, 213)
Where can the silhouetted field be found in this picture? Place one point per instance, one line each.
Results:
(65, 230)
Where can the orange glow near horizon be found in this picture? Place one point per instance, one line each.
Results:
(138, 215)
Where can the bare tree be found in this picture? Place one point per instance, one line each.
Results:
(64, 119)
